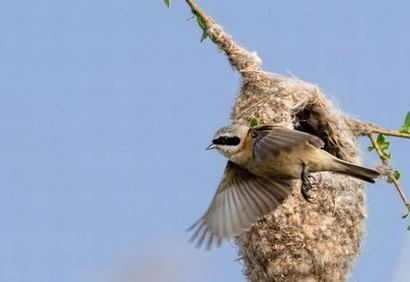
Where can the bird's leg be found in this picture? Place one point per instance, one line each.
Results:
(306, 183)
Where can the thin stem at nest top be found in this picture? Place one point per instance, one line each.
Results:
(197, 10)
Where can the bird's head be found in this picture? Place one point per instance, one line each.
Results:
(229, 140)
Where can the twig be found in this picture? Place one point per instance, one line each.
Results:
(360, 128)
(197, 10)
(245, 62)
(384, 160)
(390, 132)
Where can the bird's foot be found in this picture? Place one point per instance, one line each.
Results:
(307, 185)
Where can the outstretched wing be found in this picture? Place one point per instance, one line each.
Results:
(241, 199)
(271, 140)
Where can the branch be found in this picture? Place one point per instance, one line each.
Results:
(390, 176)
(390, 132)
(245, 62)
(360, 128)
(196, 10)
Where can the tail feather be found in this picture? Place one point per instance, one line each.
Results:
(357, 171)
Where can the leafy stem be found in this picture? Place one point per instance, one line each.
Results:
(381, 146)
(201, 18)
(393, 176)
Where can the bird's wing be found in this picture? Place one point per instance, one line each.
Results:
(271, 140)
(241, 199)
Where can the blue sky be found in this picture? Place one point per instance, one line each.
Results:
(106, 108)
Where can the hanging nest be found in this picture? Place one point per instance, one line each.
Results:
(299, 241)
(302, 241)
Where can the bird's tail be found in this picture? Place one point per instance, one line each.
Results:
(360, 172)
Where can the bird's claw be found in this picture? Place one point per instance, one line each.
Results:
(307, 185)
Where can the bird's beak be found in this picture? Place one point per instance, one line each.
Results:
(211, 147)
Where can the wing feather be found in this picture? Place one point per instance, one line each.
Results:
(271, 140)
(241, 199)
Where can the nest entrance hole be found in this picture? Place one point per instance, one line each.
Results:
(311, 120)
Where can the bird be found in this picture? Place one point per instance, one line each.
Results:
(262, 162)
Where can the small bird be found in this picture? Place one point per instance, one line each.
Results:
(261, 162)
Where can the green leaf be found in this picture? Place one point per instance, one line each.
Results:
(382, 142)
(201, 21)
(406, 125)
(202, 24)
(167, 2)
(380, 139)
(396, 174)
(384, 146)
(253, 122)
(408, 228)
(204, 35)
(408, 211)
(370, 148)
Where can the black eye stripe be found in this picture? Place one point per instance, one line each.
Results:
(225, 140)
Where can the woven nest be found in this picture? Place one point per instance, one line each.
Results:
(299, 241)
(302, 241)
